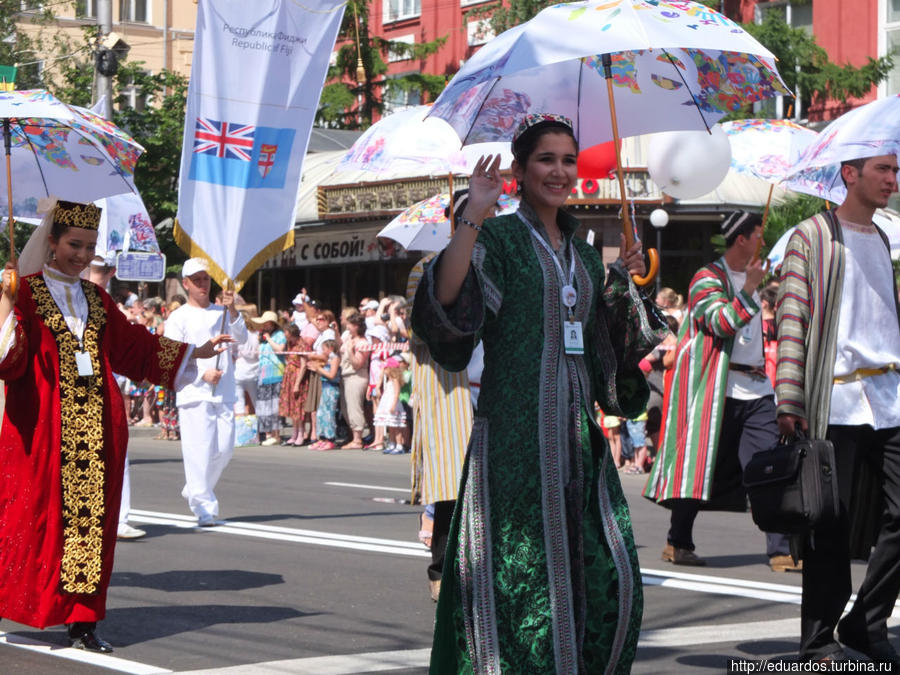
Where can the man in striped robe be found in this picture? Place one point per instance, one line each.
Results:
(837, 378)
(722, 408)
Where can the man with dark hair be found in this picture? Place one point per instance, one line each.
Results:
(837, 378)
(722, 408)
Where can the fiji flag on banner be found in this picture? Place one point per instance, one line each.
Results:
(258, 69)
(240, 155)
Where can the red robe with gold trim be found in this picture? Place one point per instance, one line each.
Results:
(32, 447)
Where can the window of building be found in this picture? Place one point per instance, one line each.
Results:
(30, 5)
(479, 32)
(137, 11)
(891, 18)
(86, 9)
(798, 13)
(396, 10)
(466, 3)
(394, 56)
(134, 97)
(398, 97)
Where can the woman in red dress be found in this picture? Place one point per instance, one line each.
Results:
(64, 432)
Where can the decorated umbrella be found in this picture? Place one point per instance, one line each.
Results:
(55, 149)
(408, 141)
(766, 149)
(424, 227)
(870, 130)
(664, 66)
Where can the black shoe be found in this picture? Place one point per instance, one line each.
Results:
(89, 642)
(880, 651)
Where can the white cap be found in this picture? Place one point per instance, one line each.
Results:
(299, 299)
(194, 265)
(371, 304)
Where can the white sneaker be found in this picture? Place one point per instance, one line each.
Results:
(206, 520)
(271, 440)
(126, 531)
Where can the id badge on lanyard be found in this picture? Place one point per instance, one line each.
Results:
(83, 362)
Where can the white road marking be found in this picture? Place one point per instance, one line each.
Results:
(380, 488)
(101, 660)
(348, 664)
(288, 534)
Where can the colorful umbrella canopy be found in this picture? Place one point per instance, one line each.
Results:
(674, 65)
(424, 227)
(125, 225)
(870, 130)
(62, 151)
(407, 141)
(766, 149)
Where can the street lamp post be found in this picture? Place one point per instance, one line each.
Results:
(659, 218)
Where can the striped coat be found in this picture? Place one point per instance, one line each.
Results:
(685, 464)
(442, 418)
(809, 301)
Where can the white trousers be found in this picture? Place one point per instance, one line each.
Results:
(207, 444)
(125, 505)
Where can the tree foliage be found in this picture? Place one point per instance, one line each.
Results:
(348, 103)
(806, 68)
(157, 124)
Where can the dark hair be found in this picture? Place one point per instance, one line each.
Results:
(356, 319)
(292, 331)
(857, 164)
(672, 323)
(769, 295)
(739, 223)
(460, 197)
(525, 144)
(331, 344)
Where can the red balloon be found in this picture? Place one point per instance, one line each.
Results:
(597, 161)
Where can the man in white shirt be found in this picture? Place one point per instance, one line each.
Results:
(369, 309)
(206, 406)
(837, 378)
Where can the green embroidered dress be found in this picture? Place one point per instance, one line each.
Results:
(541, 573)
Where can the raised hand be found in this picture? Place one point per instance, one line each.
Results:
(485, 186)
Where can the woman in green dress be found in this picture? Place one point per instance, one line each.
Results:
(541, 572)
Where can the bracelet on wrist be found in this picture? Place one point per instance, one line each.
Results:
(462, 220)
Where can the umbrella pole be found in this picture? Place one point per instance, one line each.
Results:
(627, 225)
(765, 218)
(7, 143)
(452, 219)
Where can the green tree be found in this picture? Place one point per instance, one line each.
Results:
(350, 102)
(806, 68)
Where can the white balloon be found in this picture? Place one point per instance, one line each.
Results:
(688, 164)
(659, 218)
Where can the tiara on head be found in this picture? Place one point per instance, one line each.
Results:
(532, 119)
(74, 214)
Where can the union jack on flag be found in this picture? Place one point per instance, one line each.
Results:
(223, 139)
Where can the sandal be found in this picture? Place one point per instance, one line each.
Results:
(634, 471)
(326, 445)
(374, 446)
(425, 535)
(353, 445)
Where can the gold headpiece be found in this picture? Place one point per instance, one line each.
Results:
(73, 214)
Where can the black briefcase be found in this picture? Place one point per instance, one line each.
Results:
(793, 487)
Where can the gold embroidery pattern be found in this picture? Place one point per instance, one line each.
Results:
(168, 353)
(73, 214)
(83, 469)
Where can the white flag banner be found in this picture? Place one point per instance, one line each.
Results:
(257, 74)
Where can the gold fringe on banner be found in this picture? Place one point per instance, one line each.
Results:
(190, 247)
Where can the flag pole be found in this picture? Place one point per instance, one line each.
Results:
(627, 225)
(7, 144)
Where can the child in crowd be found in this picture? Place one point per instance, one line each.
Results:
(390, 414)
(379, 338)
(326, 415)
(611, 425)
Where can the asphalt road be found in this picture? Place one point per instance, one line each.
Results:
(318, 571)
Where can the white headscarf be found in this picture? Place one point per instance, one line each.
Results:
(37, 250)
